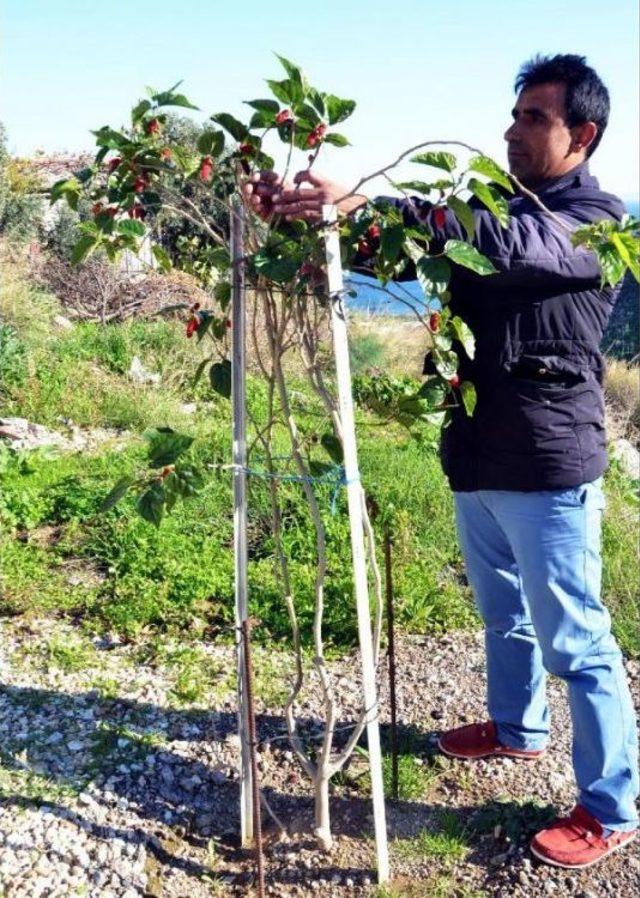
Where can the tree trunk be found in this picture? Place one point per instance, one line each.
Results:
(322, 829)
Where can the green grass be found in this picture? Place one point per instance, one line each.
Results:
(620, 554)
(192, 673)
(33, 786)
(438, 885)
(448, 844)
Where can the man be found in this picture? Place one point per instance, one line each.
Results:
(526, 469)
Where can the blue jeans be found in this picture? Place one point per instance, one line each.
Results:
(533, 562)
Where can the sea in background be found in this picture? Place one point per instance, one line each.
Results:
(399, 299)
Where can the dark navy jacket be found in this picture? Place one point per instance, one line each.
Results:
(539, 420)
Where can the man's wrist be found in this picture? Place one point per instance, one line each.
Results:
(351, 204)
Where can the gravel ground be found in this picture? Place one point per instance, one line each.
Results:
(110, 788)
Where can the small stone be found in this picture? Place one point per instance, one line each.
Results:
(75, 745)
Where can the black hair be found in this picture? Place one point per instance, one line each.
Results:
(587, 99)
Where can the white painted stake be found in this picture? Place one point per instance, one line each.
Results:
(238, 399)
(354, 497)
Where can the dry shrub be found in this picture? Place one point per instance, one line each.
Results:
(98, 290)
(405, 341)
(622, 397)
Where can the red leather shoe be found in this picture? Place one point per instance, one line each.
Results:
(479, 740)
(577, 841)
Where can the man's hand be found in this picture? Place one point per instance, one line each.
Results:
(260, 191)
(307, 203)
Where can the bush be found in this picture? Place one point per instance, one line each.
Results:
(20, 204)
(622, 395)
(366, 351)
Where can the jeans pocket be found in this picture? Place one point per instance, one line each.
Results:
(573, 496)
(583, 495)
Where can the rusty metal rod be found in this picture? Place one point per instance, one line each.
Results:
(253, 745)
(392, 662)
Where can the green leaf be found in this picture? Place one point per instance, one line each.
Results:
(261, 120)
(319, 468)
(468, 256)
(442, 341)
(463, 213)
(236, 129)
(293, 71)
(211, 143)
(423, 186)
(433, 392)
(333, 447)
(83, 248)
(150, 504)
(161, 257)
(222, 292)
(317, 101)
(391, 241)
(269, 106)
(85, 174)
(107, 137)
(288, 91)
(612, 265)
(220, 377)
(434, 274)
(139, 110)
(414, 406)
(113, 497)
(492, 199)
(67, 188)
(627, 246)
(464, 334)
(337, 140)
(469, 396)
(199, 371)
(279, 269)
(131, 228)
(168, 98)
(165, 446)
(446, 363)
(436, 159)
(183, 482)
(486, 166)
(338, 109)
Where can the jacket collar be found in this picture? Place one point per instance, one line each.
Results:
(579, 175)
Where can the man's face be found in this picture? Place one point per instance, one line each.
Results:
(540, 143)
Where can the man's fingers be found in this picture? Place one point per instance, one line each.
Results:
(268, 176)
(310, 215)
(298, 196)
(307, 176)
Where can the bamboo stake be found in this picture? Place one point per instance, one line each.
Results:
(354, 498)
(238, 398)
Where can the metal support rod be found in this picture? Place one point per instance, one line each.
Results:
(253, 744)
(354, 499)
(238, 399)
(392, 661)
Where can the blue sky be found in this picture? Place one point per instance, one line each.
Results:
(418, 70)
